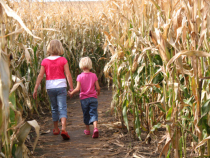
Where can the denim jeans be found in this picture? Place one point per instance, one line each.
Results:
(58, 102)
(89, 108)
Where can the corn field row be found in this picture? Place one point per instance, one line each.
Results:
(160, 58)
(154, 52)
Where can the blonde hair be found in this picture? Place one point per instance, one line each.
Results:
(55, 48)
(85, 63)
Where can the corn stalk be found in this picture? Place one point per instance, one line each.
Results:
(172, 38)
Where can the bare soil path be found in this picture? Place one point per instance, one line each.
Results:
(113, 141)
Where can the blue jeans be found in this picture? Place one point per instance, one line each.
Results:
(58, 102)
(89, 108)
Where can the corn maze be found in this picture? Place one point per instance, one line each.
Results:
(154, 55)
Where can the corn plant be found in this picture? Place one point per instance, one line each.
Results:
(25, 38)
(159, 67)
(14, 129)
(159, 57)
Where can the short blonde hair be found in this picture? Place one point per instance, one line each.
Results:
(85, 63)
(55, 48)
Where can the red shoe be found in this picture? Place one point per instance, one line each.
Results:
(56, 133)
(65, 135)
(87, 132)
(95, 133)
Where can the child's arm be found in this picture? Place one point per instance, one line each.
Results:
(77, 89)
(97, 88)
(38, 81)
(68, 76)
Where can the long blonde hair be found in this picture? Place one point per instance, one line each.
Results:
(55, 48)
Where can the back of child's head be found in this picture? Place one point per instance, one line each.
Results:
(55, 48)
(85, 63)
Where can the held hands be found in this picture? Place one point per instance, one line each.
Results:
(70, 93)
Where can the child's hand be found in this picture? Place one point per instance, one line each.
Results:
(98, 92)
(70, 93)
(35, 94)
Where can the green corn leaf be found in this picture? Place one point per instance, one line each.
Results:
(125, 113)
(169, 114)
(156, 127)
(204, 123)
(180, 146)
(206, 107)
(12, 99)
(137, 124)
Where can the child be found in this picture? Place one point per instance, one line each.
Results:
(86, 83)
(54, 67)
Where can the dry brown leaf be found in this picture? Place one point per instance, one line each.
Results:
(11, 13)
(202, 142)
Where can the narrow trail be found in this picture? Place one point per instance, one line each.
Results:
(79, 145)
(112, 142)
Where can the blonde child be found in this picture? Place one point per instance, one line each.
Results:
(55, 68)
(86, 83)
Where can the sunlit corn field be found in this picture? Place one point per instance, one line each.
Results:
(154, 54)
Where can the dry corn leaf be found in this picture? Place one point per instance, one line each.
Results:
(11, 13)
(4, 93)
(15, 86)
(202, 142)
(166, 146)
(15, 32)
(188, 53)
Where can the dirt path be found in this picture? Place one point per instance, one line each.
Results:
(112, 141)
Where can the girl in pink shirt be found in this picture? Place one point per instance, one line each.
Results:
(86, 83)
(56, 69)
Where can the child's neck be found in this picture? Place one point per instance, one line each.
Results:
(86, 70)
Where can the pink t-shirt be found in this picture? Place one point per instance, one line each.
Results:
(87, 81)
(54, 69)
